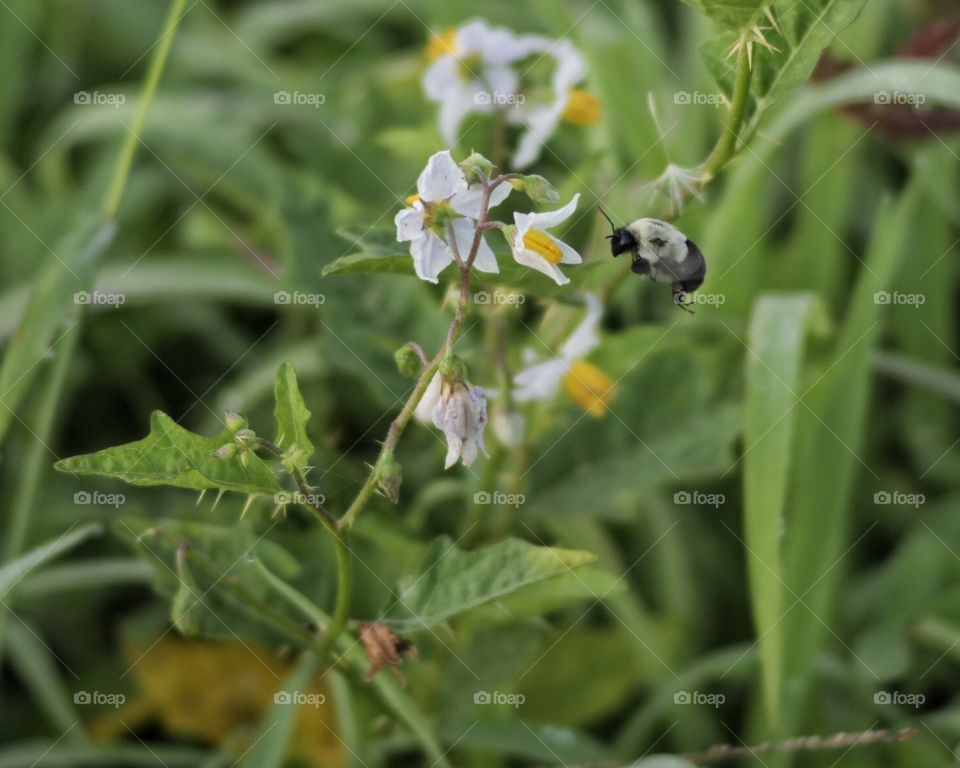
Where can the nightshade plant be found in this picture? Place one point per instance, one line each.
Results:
(469, 530)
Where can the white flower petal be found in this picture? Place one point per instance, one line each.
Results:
(477, 422)
(571, 67)
(467, 201)
(440, 179)
(550, 219)
(409, 223)
(526, 45)
(501, 79)
(441, 77)
(570, 256)
(541, 123)
(473, 37)
(500, 193)
(536, 261)
(431, 256)
(454, 451)
(463, 232)
(585, 338)
(456, 105)
(486, 260)
(431, 396)
(540, 382)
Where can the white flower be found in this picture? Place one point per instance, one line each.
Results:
(443, 199)
(429, 400)
(533, 247)
(573, 104)
(462, 415)
(589, 386)
(471, 67)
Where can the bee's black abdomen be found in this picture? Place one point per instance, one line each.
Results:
(695, 279)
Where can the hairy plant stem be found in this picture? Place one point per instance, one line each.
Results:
(341, 542)
(726, 146)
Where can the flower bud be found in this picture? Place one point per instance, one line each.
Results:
(408, 361)
(452, 368)
(389, 476)
(476, 167)
(227, 451)
(234, 421)
(539, 189)
(246, 437)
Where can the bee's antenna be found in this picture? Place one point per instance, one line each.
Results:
(612, 225)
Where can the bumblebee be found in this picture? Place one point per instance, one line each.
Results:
(658, 247)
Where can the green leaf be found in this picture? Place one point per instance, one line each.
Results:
(736, 14)
(775, 343)
(172, 455)
(226, 596)
(805, 30)
(291, 413)
(615, 666)
(451, 581)
(12, 572)
(587, 584)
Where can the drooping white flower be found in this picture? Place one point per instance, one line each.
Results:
(589, 386)
(462, 415)
(471, 68)
(568, 102)
(445, 200)
(536, 248)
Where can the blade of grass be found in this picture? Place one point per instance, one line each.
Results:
(831, 430)
(273, 743)
(39, 674)
(775, 340)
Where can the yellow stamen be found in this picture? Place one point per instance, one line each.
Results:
(590, 387)
(541, 243)
(583, 108)
(442, 45)
(411, 199)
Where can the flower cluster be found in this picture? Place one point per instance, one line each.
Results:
(477, 68)
(445, 222)
(442, 218)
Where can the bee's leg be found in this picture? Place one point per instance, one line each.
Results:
(679, 297)
(640, 266)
